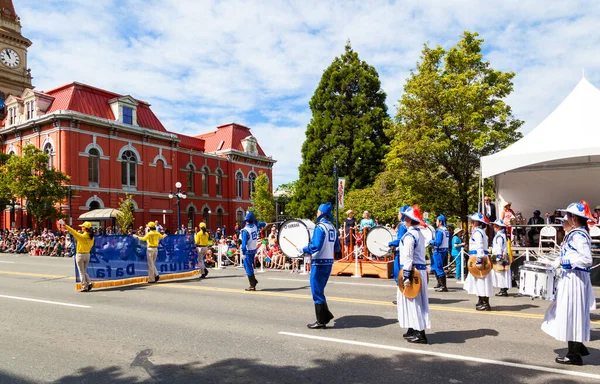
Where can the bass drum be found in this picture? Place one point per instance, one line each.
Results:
(378, 239)
(294, 234)
(428, 233)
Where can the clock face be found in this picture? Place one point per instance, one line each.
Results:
(9, 57)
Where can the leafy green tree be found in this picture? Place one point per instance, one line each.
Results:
(6, 197)
(41, 186)
(263, 203)
(126, 217)
(348, 117)
(451, 114)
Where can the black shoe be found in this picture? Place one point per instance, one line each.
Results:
(203, 276)
(205, 272)
(250, 289)
(89, 287)
(418, 338)
(316, 325)
(395, 302)
(503, 292)
(442, 287)
(157, 277)
(409, 333)
(574, 359)
(439, 283)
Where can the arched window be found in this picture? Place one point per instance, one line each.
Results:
(190, 178)
(48, 150)
(94, 205)
(251, 180)
(219, 182)
(239, 217)
(206, 216)
(191, 213)
(205, 174)
(219, 218)
(128, 169)
(239, 181)
(94, 166)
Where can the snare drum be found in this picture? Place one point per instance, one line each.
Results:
(294, 234)
(537, 280)
(378, 239)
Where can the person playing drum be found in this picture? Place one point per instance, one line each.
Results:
(249, 244)
(413, 313)
(502, 280)
(480, 286)
(323, 244)
(568, 317)
(440, 253)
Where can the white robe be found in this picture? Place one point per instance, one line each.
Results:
(568, 317)
(473, 285)
(499, 247)
(413, 313)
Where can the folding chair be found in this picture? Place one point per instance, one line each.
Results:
(547, 235)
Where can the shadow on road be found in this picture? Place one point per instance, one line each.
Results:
(460, 337)
(284, 289)
(349, 368)
(435, 300)
(362, 321)
(512, 308)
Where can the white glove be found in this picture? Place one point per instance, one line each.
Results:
(61, 222)
(557, 263)
(300, 251)
(407, 283)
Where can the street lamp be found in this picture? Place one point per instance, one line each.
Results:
(179, 195)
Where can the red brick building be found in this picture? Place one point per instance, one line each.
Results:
(113, 144)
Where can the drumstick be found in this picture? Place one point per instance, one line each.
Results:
(290, 241)
(377, 242)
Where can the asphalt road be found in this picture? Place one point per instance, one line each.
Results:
(212, 331)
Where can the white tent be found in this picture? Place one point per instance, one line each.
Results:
(557, 163)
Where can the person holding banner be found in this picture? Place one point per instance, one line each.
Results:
(502, 280)
(249, 244)
(85, 243)
(440, 253)
(323, 244)
(201, 240)
(152, 238)
(413, 313)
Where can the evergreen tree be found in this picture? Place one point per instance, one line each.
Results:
(348, 118)
(125, 218)
(451, 114)
(263, 203)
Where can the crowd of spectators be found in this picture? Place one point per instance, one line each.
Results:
(36, 243)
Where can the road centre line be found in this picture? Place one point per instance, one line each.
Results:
(446, 355)
(45, 301)
(7, 262)
(444, 308)
(335, 282)
(35, 275)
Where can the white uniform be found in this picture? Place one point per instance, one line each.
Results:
(414, 313)
(568, 318)
(478, 247)
(500, 248)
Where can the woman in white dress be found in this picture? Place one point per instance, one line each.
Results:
(413, 313)
(502, 280)
(568, 318)
(482, 287)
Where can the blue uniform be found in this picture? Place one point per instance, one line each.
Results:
(249, 240)
(396, 243)
(440, 250)
(323, 244)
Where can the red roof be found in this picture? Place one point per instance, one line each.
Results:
(231, 136)
(94, 102)
(190, 142)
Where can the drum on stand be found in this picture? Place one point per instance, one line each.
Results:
(294, 234)
(378, 239)
(537, 280)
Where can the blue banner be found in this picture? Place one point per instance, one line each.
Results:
(119, 260)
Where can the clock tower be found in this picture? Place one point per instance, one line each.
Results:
(15, 77)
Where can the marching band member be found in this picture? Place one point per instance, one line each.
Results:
(249, 244)
(568, 317)
(502, 280)
(440, 253)
(396, 243)
(152, 238)
(201, 240)
(413, 313)
(482, 287)
(85, 242)
(323, 244)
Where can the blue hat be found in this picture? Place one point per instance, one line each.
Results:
(325, 209)
(404, 208)
(478, 217)
(442, 218)
(499, 223)
(250, 217)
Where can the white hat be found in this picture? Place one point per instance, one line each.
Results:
(478, 217)
(499, 223)
(577, 209)
(414, 214)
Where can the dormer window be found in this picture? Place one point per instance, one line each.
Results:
(29, 107)
(12, 115)
(127, 115)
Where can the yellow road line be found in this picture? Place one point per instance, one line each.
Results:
(357, 301)
(309, 297)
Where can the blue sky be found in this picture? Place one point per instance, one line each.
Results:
(206, 63)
